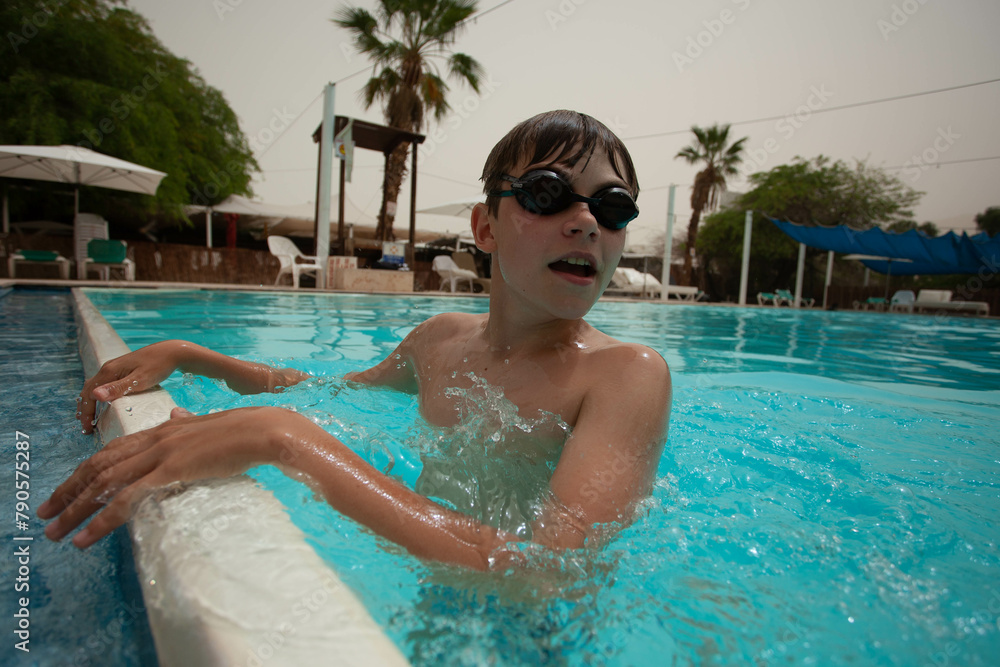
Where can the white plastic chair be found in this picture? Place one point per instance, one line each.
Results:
(288, 253)
(451, 273)
(902, 301)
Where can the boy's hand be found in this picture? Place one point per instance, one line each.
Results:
(127, 374)
(184, 448)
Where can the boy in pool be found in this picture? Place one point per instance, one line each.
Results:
(560, 190)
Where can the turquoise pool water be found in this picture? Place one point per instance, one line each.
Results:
(829, 493)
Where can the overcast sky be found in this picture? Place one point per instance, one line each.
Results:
(647, 68)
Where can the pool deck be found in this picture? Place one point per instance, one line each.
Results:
(123, 284)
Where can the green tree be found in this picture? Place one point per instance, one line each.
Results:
(405, 39)
(928, 228)
(809, 192)
(989, 221)
(91, 73)
(711, 148)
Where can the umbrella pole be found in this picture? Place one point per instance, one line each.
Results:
(888, 275)
(6, 212)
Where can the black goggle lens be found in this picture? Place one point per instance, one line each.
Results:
(547, 193)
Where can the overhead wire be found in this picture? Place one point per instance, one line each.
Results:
(841, 107)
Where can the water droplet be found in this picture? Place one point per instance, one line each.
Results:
(93, 422)
(128, 409)
(78, 398)
(135, 383)
(506, 361)
(465, 360)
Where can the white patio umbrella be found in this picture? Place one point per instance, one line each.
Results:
(461, 208)
(76, 166)
(890, 260)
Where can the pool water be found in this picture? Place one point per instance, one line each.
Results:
(829, 493)
(84, 607)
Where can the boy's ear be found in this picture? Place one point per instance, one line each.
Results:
(482, 228)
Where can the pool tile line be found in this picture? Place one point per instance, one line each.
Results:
(211, 597)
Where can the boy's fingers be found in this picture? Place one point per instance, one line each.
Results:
(112, 390)
(181, 413)
(111, 487)
(89, 473)
(115, 514)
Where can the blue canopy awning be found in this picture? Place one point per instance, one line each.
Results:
(946, 254)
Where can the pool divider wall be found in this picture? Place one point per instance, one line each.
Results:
(227, 579)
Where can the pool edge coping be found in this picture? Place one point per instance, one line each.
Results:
(194, 596)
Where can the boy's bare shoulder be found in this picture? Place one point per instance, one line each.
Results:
(628, 362)
(440, 328)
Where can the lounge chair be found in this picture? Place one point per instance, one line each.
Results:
(785, 296)
(940, 300)
(764, 298)
(103, 256)
(902, 301)
(684, 293)
(38, 257)
(86, 228)
(452, 274)
(288, 255)
(775, 298)
(466, 261)
(871, 303)
(632, 282)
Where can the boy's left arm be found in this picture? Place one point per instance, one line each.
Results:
(609, 462)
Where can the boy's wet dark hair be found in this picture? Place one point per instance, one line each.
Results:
(555, 136)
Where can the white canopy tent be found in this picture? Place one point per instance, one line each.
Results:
(282, 219)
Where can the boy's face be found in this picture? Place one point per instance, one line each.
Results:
(559, 263)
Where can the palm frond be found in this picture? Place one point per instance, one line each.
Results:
(434, 92)
(465, 68)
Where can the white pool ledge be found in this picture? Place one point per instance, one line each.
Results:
(227, 579)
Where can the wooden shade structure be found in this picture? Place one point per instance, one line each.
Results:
(383, 139)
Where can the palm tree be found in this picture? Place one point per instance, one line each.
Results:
(405, 39)
(720, 161)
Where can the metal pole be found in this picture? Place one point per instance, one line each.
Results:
(799, 273)
(829, 277)
(325, 178)
(745, 266)
(668, 246)
(6, 212)
(208, 227)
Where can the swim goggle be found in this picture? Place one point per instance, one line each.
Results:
(547, 193)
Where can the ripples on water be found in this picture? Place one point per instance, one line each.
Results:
(829, 492)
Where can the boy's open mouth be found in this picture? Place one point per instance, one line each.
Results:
(574, 266)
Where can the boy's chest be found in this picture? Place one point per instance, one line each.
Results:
(549, 383)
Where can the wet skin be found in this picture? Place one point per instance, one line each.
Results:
(548, 271)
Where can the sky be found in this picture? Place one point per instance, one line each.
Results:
(778, 71)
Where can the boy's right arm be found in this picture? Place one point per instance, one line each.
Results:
(150, 365)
